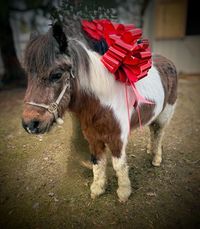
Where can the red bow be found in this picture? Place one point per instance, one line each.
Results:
(128, 56)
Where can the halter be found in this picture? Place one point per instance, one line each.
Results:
(53, 107)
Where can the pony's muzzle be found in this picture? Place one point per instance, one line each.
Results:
(36, 120)
(32, 127)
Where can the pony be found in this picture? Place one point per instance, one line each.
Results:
(65, 73)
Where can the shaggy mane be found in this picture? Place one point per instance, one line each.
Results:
(40, 53)
(43, 51)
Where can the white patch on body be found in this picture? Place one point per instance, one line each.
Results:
(151, 88)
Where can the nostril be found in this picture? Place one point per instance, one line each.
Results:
(32, 126)
(35, 124)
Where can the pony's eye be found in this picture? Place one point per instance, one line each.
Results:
(55, 76)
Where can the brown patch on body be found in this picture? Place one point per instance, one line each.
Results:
(98, 124)
(168, 75)
(146, 113)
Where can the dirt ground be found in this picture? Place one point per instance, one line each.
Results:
(43, 184)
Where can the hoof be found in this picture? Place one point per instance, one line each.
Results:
(96, 190)
(124, 193)
(157, 161)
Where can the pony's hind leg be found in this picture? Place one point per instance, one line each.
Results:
(99, 161)
(157, 132)
(121, 168)
(156, 135)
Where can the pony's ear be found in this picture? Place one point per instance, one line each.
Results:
(34, 35)
(60, 37)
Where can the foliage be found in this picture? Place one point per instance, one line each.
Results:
(86, 10)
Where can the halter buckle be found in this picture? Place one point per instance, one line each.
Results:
(72, 74)
(53, 107)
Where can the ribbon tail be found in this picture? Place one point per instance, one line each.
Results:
(139, 98)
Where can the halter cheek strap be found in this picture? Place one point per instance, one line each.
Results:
(53, 107)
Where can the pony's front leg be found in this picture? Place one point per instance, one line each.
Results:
(99, 161)
(121, 168)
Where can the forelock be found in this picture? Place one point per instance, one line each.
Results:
(40, 53)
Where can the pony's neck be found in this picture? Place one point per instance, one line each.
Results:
(93, 80)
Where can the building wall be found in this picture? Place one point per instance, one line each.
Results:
(184, 52)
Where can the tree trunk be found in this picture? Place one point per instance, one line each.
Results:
(14, 73)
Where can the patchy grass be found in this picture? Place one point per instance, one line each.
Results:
(43, 185)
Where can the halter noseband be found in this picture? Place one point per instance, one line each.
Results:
(53, 107)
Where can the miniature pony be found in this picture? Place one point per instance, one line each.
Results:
(69, 68)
